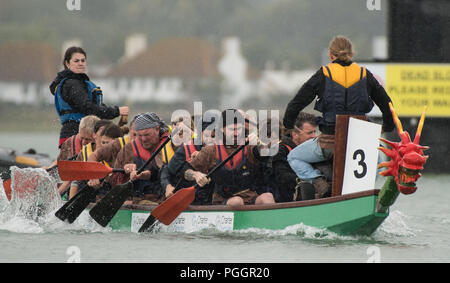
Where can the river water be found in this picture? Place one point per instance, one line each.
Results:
(417, 230)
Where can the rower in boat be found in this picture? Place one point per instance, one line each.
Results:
(184, 126)
(235, 181)
(151, 131)
(342, 87)
(105, 135)
(89, 137)
(72, 146)
(289, 186)
(270, 130)
(112, 149)
(178, 166)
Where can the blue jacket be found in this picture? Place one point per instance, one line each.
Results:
(65, 111)
(75, 97)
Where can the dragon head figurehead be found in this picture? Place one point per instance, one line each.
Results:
(407, 158)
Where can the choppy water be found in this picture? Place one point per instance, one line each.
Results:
(417, 230)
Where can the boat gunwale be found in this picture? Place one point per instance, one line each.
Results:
(252, 207)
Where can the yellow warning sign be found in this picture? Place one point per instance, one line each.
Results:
(412, 86)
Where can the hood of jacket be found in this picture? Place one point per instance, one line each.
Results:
(65, 74)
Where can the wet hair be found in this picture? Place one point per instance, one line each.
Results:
(303, 118)
(112, 130)
(88, 123)
(69, 52)
(341, 48)
(101, 123)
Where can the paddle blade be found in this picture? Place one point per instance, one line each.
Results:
(75, 206)
(108, 206)
(147, 226)
(167, 211)
(81, 170)
(62, 212)
(7, 187)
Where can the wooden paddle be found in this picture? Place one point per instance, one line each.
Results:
(81, 170)
(167, 211)
(73, 207)
(108, 206)
(84, 170)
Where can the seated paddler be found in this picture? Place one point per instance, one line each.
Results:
(106, 135)
(234, 181)
(179, 167)
(151, 132)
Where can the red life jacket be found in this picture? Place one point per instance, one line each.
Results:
(141, 155)
(140, 152)
(236, 175)
(221, 154)
(75, 144)
(189, 149)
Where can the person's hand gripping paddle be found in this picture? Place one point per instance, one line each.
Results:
(108, 206)
(168, 210)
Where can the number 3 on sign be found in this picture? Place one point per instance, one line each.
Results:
(360, 152)
(362, 156)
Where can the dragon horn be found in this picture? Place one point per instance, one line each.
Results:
(420, 126)
(390, 153)
(396, 119)
(383, 164)
(391, 144)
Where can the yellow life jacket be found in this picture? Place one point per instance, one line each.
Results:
(346, 76)
(345, 93)
(124, 140)
(167, 153)
(87, 151)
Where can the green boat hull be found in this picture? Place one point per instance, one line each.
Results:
(352, 214)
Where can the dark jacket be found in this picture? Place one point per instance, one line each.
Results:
(178, 166)
(75, 92)
(283, 175)
(315, 86)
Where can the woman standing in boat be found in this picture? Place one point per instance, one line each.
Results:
(76, 96)
(341, 87)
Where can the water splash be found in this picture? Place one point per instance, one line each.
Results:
(395, 226)
(34, 193)
(4, 203)
(298, 230)
(34, 201)
(294, 232)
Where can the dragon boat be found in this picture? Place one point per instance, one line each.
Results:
(346, 214)
(350, 210)
(356, 207)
